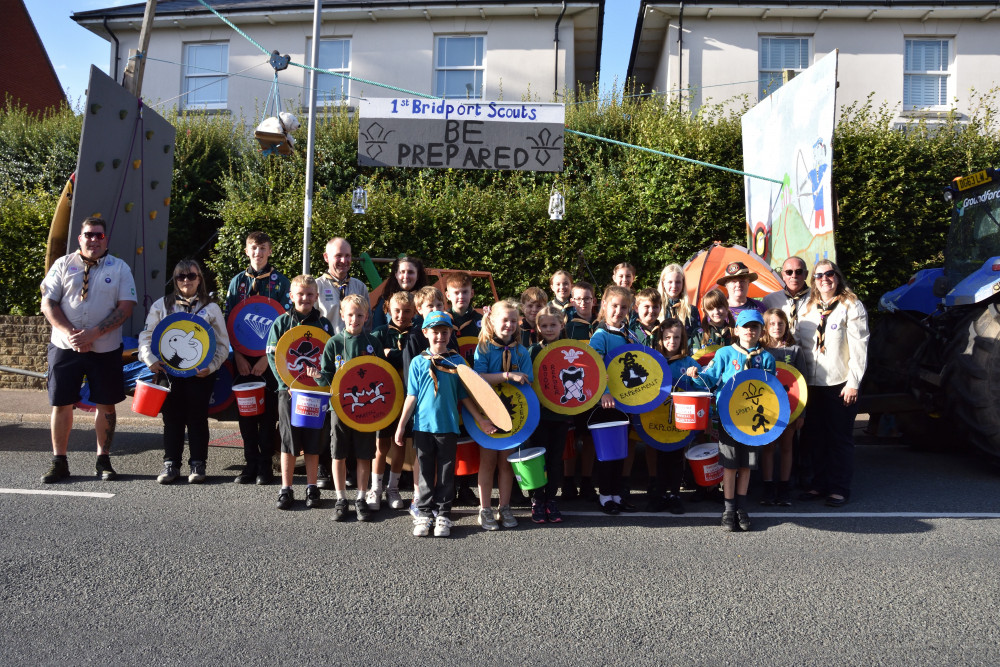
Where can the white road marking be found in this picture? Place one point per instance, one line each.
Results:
(40, 492)
(781, 515)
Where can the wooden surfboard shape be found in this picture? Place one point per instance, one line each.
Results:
(57, 243)
(488, 400)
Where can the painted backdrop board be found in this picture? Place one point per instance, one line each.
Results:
(461, 134)
(789, 135)
(123, 174)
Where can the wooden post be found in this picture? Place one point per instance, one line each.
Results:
(787, 75)
(132, 81)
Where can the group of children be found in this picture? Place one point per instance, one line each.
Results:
(420, 340)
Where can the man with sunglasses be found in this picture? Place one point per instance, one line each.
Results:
(86, 296)
(793, 298)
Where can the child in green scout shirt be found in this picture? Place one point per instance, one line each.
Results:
(350, 343)
(579, 325)
(458, 288)
(647, 308)
(294, 438)
(259, 279)
(392, 338)
(533, 300)
(561, 284)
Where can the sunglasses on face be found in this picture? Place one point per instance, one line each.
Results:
(795, 272)
(180, 277)
(825, 274)
(93, 236)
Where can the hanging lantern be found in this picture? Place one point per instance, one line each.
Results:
(359, 200)
(557, 205)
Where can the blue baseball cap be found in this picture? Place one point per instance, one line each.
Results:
(748, 316)
(437, 318)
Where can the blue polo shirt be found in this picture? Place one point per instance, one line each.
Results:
(435, 413)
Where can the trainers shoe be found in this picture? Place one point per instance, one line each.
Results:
(285, 499)
(248, 475)
(743, 519)
(265, 477)
(552, 513)
(442, 526)
(104, 469)
(313, 497)
(340, 509)
(414, 512)
(395, 500)
(729, 521)
(537, 512)
(170, 472)
(422, 526)
(486, 519)
(57, 471)
(323, 478)
(362, 510)
(374, 499)
(674, 504)
(506, 517)
(197, 475)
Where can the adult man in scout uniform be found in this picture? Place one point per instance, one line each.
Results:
(335, 283)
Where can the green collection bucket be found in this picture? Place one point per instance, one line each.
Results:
(529, 468)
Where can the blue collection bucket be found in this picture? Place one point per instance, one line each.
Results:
(610, 439)
(309, 408)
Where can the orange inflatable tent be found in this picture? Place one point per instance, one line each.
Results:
(708, 265)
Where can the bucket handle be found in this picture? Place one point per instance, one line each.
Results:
(696, 377)
(615, 409)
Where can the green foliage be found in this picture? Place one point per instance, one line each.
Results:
(24, 216)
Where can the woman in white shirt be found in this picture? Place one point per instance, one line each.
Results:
(833, 334)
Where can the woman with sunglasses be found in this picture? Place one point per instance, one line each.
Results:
(186, 406)
(793, 298)
(833, 335)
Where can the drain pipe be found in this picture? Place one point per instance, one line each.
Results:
(117, 46)
(680, 53)
(555, 74)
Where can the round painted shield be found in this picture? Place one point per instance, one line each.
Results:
(184, 343)
(753, 407)
(522, 404)
(298, 349)
(250, 322)
(222, 391)
(658, 429)
(795, 384)
(569, 377)
(467, 347)
(639, 378)
(367, 393)
(704, 355)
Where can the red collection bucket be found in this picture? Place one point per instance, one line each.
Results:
(691, 410)
(704, 462)
(466, 458)
(250, 398)
(149, 398)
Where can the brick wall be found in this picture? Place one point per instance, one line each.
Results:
(23, 342)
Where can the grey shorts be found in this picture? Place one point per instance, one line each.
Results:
(345, 442)
(295, 439)
(734, 455)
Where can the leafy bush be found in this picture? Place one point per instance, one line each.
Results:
(25, 216)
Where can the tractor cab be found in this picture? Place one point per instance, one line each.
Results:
(972, 256)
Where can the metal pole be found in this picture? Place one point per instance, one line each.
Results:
(311, 143)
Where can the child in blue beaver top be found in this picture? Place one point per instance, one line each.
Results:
(737, 459)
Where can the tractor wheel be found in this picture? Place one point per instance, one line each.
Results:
(894, 349)
(974, 379)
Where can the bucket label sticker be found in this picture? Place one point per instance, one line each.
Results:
(754, 407)
(639, 378)
(569, 377)
(249, 324)
(658, 429)
(299, 349)
(524, 409)
(367, 393)
(184, 344)
(308, 406)
(795, 384)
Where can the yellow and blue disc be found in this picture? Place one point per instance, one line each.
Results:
(522, 404)
(753, 407)
(658, 429)
(639, 378)
(184, 344)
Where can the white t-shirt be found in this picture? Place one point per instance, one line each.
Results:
(110, 282)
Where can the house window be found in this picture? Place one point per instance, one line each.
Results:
(206, 84)
(459, 67)
(778, 54)
(925, 73)
(334, 55)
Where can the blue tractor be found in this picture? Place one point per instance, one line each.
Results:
(934, 357)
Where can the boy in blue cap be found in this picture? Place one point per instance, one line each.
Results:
(737, 459)
(433, 391)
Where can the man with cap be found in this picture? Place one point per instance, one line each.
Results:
(793, 298)
(736, 281)
(86, 296)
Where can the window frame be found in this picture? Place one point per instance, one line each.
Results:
(948, 74)
(345, 98)
(193, 76)
(761, 70)
(438, 38)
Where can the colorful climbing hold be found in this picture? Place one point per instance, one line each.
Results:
(149, 135)
(152, 215)
(136, 163)
(153, 184)
(122, 114)
(129, 206)
(116, 163)
(99, 166)
(94, 108)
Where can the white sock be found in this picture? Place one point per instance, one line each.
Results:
(605, 499)
(339, 494)
(617, 499)
(394, 480)
(376, 481)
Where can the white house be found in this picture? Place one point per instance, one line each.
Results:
(487, 49)
(924, 58)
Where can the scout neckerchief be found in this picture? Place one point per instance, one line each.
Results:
(794, 299)
(460, 329)
(258, 277)
(400, 334)
(715, 335)
(561, 306)
(825, 309)
(621, 331)
(671, 306)
(185, 304)
(437, 364)
(298, 318)
(506, 361)
(340, 285)
(750, 354)
(528, 333)
(88, 264)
